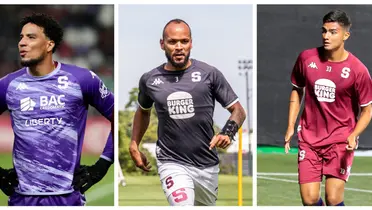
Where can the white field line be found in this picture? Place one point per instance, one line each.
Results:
(295, 174)
(294, 181)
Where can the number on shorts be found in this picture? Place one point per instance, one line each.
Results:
(169, 182)
(301, 155)
(179, 195)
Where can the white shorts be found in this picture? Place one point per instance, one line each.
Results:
(204, 182)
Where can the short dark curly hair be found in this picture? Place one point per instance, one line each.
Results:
(51, 27)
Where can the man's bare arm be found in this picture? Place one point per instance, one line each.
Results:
(237, 113)
(140, 124)
(294, 106)
(364, 119)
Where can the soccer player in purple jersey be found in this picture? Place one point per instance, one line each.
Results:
(337, 109)
(184, 92)
(48, 104)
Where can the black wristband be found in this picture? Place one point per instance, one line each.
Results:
(103, 163)
(230, 129)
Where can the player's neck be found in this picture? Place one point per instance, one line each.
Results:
(42, 68)
(337, 55)
(169, 67)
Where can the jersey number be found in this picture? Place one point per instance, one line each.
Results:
(196, 76)
(301, 155)
(345, 72)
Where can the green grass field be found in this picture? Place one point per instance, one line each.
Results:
(101, 194)
(283, 190)
(147, 191)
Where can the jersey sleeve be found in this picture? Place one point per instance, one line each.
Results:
(108, 151)
(363, 87)
(144, 100)
(298, 73)
(4, 83)
(97, 95)
(222, 90)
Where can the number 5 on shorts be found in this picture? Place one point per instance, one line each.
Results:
(301, 155)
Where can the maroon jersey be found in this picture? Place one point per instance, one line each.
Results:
(334, 91)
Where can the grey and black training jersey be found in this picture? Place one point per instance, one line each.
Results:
(184, 101)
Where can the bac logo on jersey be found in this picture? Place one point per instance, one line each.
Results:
(325, 90)
(312, 65)
(27, 104)
(63, 82)
(180, 105)
(51, 102)
(22, 86)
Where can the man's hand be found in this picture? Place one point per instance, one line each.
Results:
(139, 158)
(352, 143)
(9, 181)
(221, 141)
(86, 176)
(287, 139)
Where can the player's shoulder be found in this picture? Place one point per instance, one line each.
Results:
(75, 70)
(356, 64)
(13, 75)
(153, 72)
(203, 66)
(80, 73)
(310, 53)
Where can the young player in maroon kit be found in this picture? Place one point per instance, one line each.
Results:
(337, 109)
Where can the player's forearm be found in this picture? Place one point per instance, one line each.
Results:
(237, 114)
(140, 124)
(294, 106)
(365, 118)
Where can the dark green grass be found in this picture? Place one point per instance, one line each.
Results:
(279, 193)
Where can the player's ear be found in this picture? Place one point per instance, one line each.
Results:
(346, 35)
(50, 46)
(161, 44)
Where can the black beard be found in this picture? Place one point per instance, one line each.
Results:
(32, 62)
(178, 65)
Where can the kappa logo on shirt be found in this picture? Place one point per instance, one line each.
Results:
(157, 81)
(22, 86)
(312, 65)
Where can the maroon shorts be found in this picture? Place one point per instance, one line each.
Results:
(332, 160)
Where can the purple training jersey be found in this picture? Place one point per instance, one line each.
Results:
(48, 116)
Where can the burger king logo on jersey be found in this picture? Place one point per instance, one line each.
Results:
(325, 90)
(180, 105)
